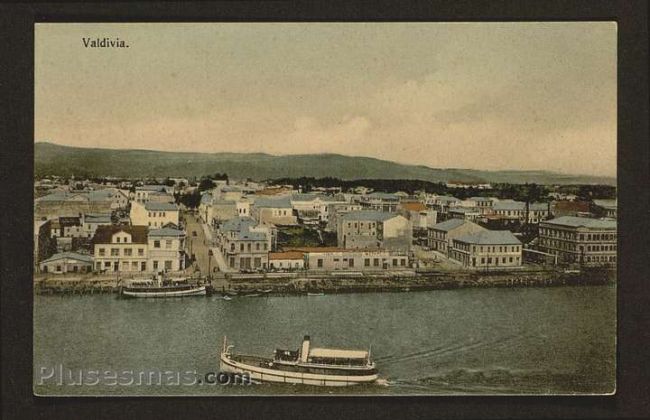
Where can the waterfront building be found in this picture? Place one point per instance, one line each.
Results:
(374, 229)
(120, 248)
(165, 251)
(287, 260)
(153, 214)
(67, 262)
(579, 240)
(245, 243)
(487, 249)
(337, 259)
(441, 235)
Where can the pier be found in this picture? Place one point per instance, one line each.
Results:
(299, 283)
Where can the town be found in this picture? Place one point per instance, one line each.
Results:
(242, 232)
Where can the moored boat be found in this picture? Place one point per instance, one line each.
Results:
(307, 365)
(161, 288)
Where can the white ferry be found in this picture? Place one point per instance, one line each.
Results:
(307, 365)
(157, 287)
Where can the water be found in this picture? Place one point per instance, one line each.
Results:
(471, 341)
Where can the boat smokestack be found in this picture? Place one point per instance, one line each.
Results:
(304, 351)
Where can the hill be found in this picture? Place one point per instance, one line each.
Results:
(53, 159)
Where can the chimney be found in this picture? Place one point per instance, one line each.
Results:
(304, 351)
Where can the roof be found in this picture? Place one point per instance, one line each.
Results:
(490, 237)
(243, 225)
(71, 255)
(103, 234)
(160, 206)
(519, 205)
(415, 206)
(481, 198)
(383, 196)
(608, 204)
(448, 198)
(338, 353)
(282, 202)
(464, 210)
(572, 221)
(97, 218)
(317, 249)
(237, 223)
(151, 188)
(362, 215)
(166, 232)
(450, 224)
(289, 255)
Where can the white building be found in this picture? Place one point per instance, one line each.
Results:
(488, 249)
(120, 248)
(166, 250)
(67, 262)
(154, 215)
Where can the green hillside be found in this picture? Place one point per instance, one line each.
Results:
(52, 159)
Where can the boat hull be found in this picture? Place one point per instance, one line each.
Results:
(265, 374)
(194, 291)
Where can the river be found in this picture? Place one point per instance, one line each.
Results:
(556, 340)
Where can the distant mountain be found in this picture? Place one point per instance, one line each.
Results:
(53, 159)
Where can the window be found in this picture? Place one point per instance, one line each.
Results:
(375, 262)
(168, 244)
(58, 268)
(134, 266)
(248, 247)
(156, 244)
(394, 261)
(107, 264)
(403, 262)
(366, 262)
(117, 239)
(115, 252)
(241, 247)
(140, 252)
(320, 263)
(155, 265)
(128, 252)
(266, 246)
(102, 252)
(257, 246)
(168, 265)
(232, 247)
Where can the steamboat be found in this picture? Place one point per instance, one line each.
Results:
(307, 366)
(160, 287)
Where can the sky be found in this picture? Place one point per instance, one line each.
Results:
(523, 96)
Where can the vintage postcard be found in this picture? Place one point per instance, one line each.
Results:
(325, 209)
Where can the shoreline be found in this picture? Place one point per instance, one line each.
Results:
(340, 284)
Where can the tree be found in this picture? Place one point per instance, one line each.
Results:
(206, 184)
